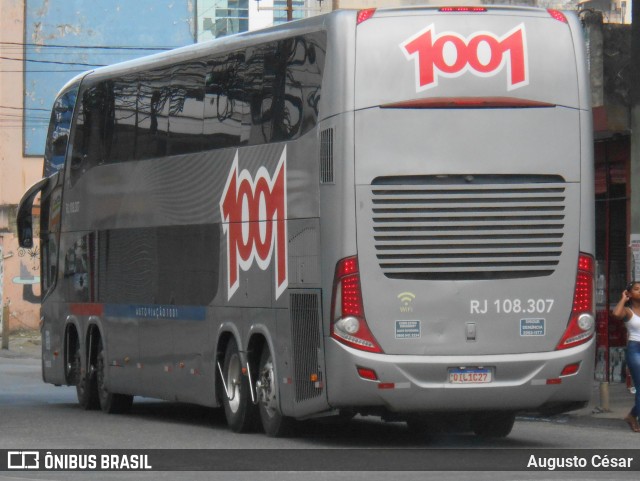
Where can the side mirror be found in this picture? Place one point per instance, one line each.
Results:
(25, 216)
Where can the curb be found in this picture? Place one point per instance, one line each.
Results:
(582, 421)
(23, 347)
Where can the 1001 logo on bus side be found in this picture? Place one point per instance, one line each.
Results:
(483, 54)
(254, 213)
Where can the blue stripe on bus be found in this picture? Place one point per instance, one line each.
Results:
(155, 311)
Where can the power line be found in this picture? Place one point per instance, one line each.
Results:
(97, 47)
(17, 116)
(23, 108)
(52, 62)
(43, 71)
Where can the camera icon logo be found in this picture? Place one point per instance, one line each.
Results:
(23, 460)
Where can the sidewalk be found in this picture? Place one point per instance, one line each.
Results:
(27, 344)
(620, 402)
(23, 344)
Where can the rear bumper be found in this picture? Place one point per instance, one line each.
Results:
(420, 383)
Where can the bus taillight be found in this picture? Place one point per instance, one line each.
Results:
(582, 323)
(558, 15)
(462, 9)
(364, 15)
(348, 324)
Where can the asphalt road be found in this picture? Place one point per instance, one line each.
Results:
(34, 415)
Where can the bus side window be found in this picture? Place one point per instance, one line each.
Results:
(123, 141)
(305, 66)
(224, 103)
(77, 270)
(162, 265)
(151, 124)
(282, 85)
(94, 113)
(186, 111)
(258, 83)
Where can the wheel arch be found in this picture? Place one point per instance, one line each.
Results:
(257, 342)
(225, 335)
(71, 345)
(92, 338)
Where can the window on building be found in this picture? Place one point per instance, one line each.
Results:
(225, 17)
(280, 12)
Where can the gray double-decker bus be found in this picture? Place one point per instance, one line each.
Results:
(384, 212)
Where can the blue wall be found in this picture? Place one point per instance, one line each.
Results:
(58, 32)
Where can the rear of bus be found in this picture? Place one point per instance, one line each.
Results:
(472, 285)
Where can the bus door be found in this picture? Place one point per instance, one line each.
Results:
(468, 162)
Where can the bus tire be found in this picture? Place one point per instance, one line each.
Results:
(493, 425)
(273, 422)
(240, 412)
(110, 403)
(86, 385)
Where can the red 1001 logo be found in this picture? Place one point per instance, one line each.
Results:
(254, 213)
(483, 54)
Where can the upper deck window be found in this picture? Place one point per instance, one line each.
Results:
(263, 93)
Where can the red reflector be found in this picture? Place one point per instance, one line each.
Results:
(583, 297)
(467, 103)
(87, 309)
(348, 324)
(366, 373)
(570, 369)
(582, 300)
(386, 385)
(578, 332)
(364, 15)
(351, 300)
(554, 381)
(347, 266)
(585, 263)
(463, 9)
(558, 15)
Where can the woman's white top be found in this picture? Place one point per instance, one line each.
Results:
(633, 327)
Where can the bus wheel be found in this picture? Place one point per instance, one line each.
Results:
(240, 412)
(493, 425)
(86, 385)
(109, 402)
(273, 422)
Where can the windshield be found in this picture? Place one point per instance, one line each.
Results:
(58, 135)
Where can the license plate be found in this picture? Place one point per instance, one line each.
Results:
(471, 375)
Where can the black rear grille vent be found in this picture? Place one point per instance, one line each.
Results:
(305, 334)
(461, 228)
(326, 157)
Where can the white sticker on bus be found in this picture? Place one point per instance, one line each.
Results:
(408, 329)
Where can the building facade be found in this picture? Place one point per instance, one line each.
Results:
(19, 282)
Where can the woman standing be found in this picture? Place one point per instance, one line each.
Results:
(628, 309)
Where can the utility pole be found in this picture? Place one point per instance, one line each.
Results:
(289, 10)
(5, 323)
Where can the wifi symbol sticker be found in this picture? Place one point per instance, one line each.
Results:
(406, 298)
